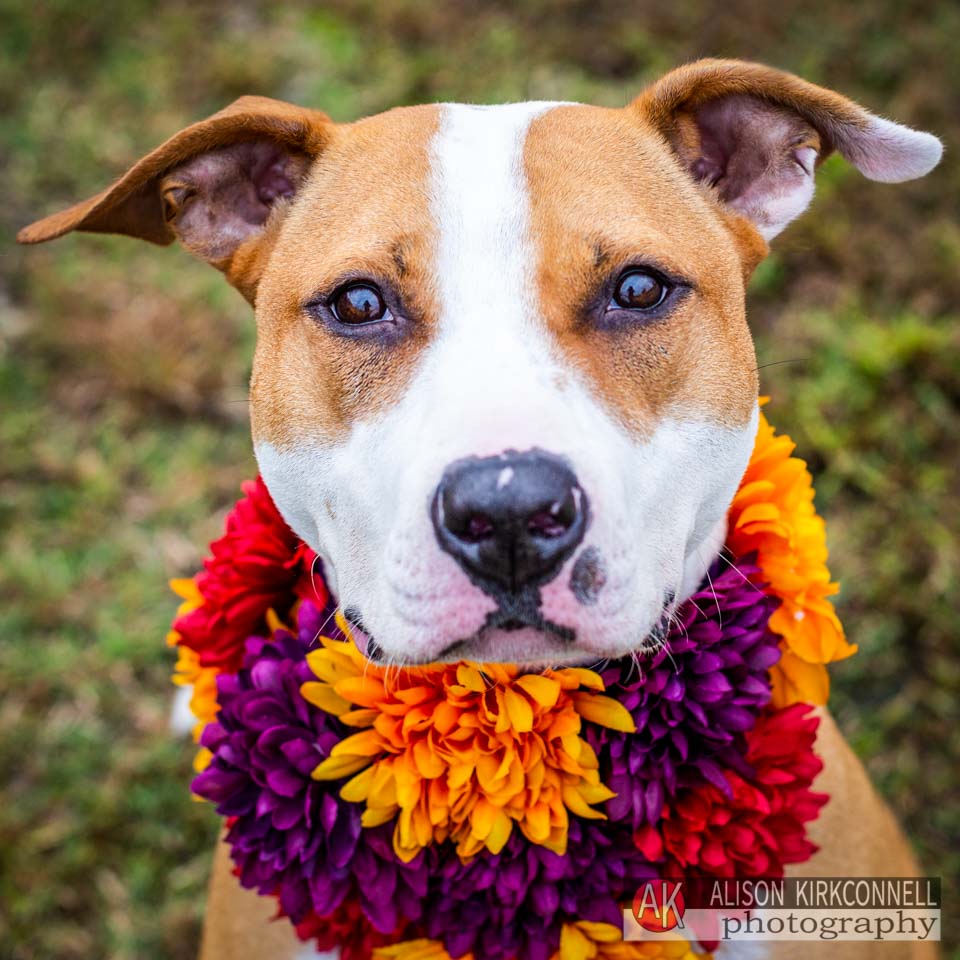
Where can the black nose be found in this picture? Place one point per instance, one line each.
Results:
(510, 521)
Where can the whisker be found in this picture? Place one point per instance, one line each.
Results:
(598, 666)
(675, 621)
(716, 599)
(777, 363)
(313, 575)
(492, 683)
(331, 617)
(740, 573)
(666, 649)
(696, 606)
(635, 667)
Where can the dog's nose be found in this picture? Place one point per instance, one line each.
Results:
(511, 520)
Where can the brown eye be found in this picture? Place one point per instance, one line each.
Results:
(358, 303)
(640, 290)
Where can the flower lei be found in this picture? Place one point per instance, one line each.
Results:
(467, 811)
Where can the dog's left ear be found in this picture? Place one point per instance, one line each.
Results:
(756, 135)
(220, 186)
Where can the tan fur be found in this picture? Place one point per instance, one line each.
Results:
(858, 836)
(134, 204)
(240, 924)
(671, 100)
(343, 224)
(600, 182)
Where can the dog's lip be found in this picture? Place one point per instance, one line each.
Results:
(529, 646)
(524, 644)
(529, 649)
(361, 639)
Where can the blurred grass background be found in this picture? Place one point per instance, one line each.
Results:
(123, 368)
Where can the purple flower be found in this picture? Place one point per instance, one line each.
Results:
(693, 700)
(514, 904)
(289, 834)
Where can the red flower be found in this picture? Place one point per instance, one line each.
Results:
(759, 827)
(257, 565)
(347, 930)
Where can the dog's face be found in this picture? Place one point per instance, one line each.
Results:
(504, 383)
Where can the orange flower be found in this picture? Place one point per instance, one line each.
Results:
(455, 751)
(773, 515)
(578, 941)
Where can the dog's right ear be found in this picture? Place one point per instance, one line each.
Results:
(755, 135)
(219, 186)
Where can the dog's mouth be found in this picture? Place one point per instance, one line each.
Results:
(526, 632)
(361, 637)
(505, 637)
(515, 634)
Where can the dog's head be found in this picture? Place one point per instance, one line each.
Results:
(504, 383)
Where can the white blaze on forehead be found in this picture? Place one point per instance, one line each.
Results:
(492, 353)
(481, 207)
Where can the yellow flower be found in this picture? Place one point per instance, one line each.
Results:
(415, 950)
(578, 941)
(602, 941)
(189, 671)
(773, 515)
(187, 590)
(456, 752)
(203, 699)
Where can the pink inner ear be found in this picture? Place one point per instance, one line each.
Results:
(231, 192)
(758, 159)
(269, 172)
(711, 165)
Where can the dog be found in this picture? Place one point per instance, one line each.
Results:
(504, 383)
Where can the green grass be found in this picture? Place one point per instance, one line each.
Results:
(123, 432)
